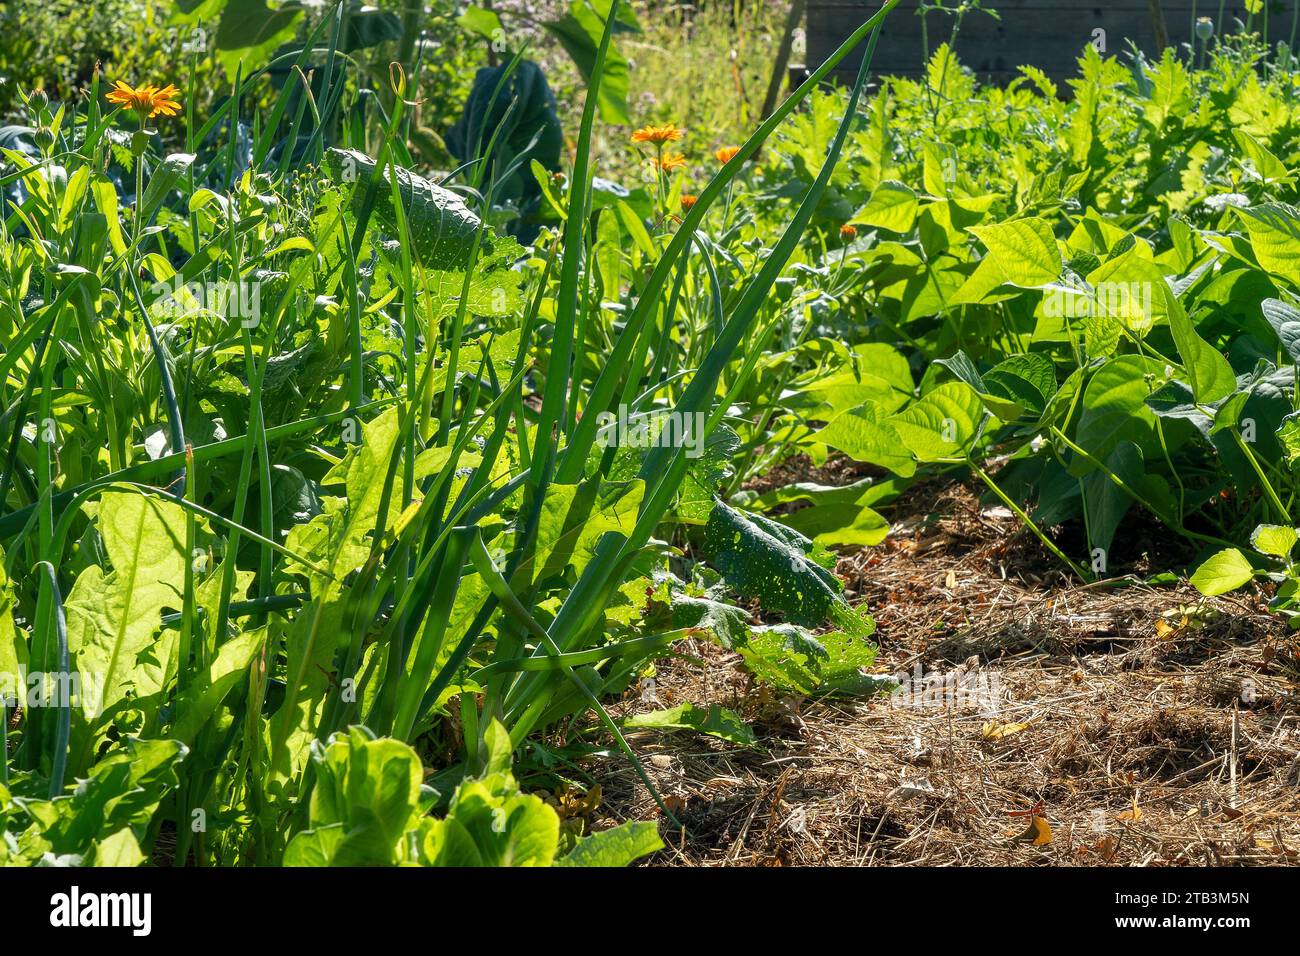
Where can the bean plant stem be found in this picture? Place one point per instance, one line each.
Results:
(1019, 513)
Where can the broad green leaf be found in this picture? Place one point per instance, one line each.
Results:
(202, 697)
(1130, 289)
(617, 846)
(986, 285)
(939, 163)
(579, 32)
(371, 786)
(1021, 383)
(490, 823)
(1285, 320)
(1024, 251)
(485, 23)
(1228, 414)
(1171, 90)
(119, 849)
(442, 227)
(839, 524)
(448, 843)
(1274, 230)
(609, 254)
(1223, 572)
(863, 491)
(1101, 335)
(1107, 503)
(497, 748)
(162, 182)
(865, 434)
(250, 31)
(942, 424)
(706, 475)
(546, 184)
(1114, 405)
(315, 847)
(1028, 380)
(715, 720)
(796, 661)
(575, 517)
(113, 616)
(892, 206)
(1288, 435)
(727, 623)
(340, 537)
(104, 194)
(121, 791)
(761, 559)
(831, 395)
(493, 286)
(1208, 371)
(1274, 539)
(1263, 163)
(13, 646)
(835, 515)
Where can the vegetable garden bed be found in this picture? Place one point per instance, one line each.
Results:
(1144, 725)
(913, 477)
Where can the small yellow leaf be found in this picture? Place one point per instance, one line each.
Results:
(405, 518)
(996, 731)
(1134, 815)
(1038, 833)
(572, 803)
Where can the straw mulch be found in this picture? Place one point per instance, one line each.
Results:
(1143, 726)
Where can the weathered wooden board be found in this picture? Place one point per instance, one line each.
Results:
(1048, 34)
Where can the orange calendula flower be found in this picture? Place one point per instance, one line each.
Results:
(848, 232)
(659, 135)
(688, 201)
(669, 162)
(726, 154)
(146, 101)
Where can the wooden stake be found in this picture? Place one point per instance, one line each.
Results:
(783, 56)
